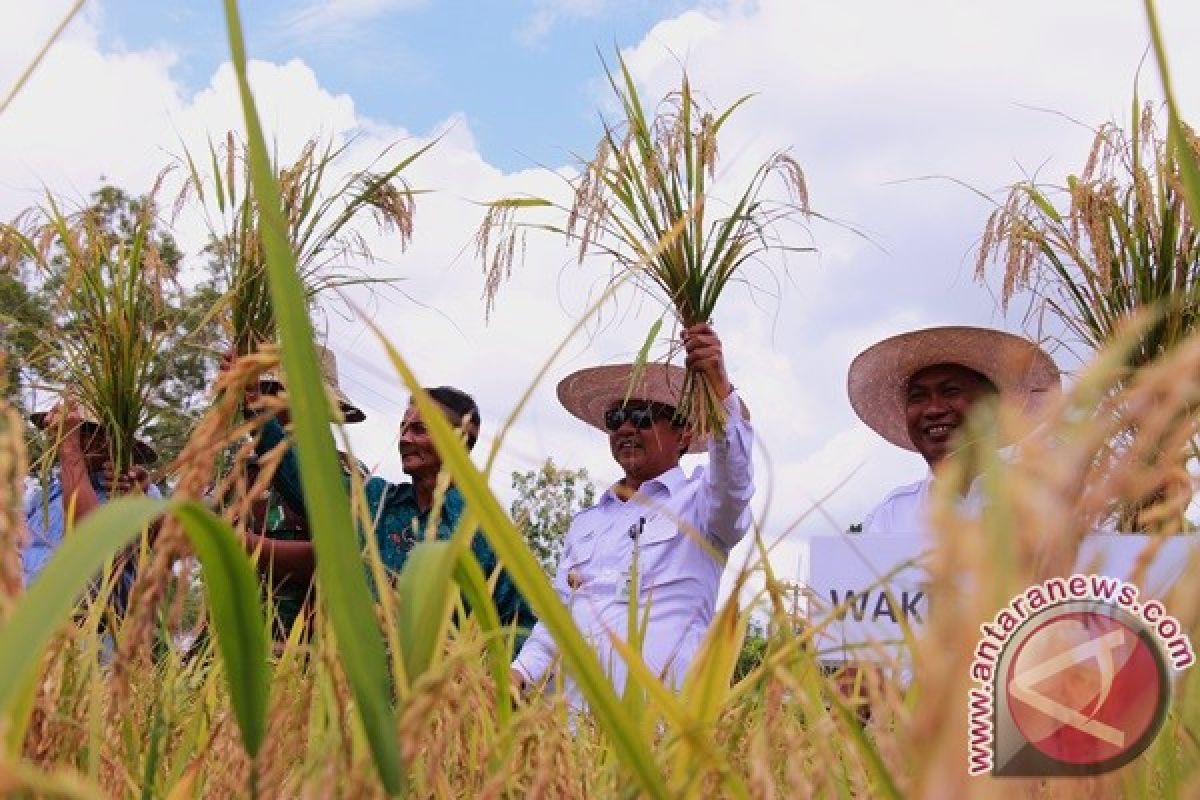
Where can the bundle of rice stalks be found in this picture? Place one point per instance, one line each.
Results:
(319, 203)
(114, 278)
(1116, 239)
(645, 202)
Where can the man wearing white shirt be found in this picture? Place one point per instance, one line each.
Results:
(916, 390)
(678, 529)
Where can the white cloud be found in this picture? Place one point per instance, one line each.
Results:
(549, 13)
(330, 20)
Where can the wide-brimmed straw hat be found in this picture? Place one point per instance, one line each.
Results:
(271, 382)
(590, 392)
(143, 453)
(878, 377)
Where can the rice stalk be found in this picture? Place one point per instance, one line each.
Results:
(113, 316)
(321, 206)
(1115, 240)
(32, 66)
(13, 534)
(340, 577)
(644, 202)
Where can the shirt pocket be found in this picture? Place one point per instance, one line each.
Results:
(576, 562)
(659, 552)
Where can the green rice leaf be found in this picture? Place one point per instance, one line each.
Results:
(53, 596)
(340, 572)
(1177, 135)
(426, 594)
(235, 606)
(474, 585)
(233, 594)
(25, 75)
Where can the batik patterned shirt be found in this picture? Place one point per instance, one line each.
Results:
(400, 524)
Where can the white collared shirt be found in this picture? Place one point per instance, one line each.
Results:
(677, 573)
(905, 509)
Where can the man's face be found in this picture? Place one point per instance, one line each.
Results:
(646, 453)
(418, 456)
(937, 402)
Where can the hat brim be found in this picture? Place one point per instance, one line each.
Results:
(878, 377)
(143, 453)
(350, 412)
(588, 393)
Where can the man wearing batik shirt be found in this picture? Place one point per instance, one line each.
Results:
(273, 520)
(679, 529)
(402, 513)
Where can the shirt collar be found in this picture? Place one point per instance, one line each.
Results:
(452, 502)
(670, 482)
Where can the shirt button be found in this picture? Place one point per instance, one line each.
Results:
(574, 579)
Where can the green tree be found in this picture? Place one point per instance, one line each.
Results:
(547, 499)
(754, 650)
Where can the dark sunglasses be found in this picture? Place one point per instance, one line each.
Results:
(640, 417)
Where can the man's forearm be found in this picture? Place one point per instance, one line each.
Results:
(78, 493)
(284, 558)
(731, 476)
(536, 656)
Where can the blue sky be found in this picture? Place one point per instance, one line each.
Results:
(529, 88)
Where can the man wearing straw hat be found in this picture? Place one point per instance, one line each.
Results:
(916, 390)
(273, 520)
(657, 539)
(83, 481)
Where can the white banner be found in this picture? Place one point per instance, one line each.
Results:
(880, 581)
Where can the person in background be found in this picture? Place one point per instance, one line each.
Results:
(273, 520)
(401, 512)
(82, 480)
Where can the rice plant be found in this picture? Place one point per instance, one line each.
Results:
(1115, 240)
(321, 206)
(112, 278)
(645, 203)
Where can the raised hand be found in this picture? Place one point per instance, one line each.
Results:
(705, 355)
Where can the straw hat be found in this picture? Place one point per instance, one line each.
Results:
(271, 382)
(590, 392)
(879, 375)
(143, 453)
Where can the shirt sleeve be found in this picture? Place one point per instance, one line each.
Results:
(730, 478)
(873, 520)
(44, 524)
(537, 654)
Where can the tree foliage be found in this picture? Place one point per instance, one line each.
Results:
(547, 499)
